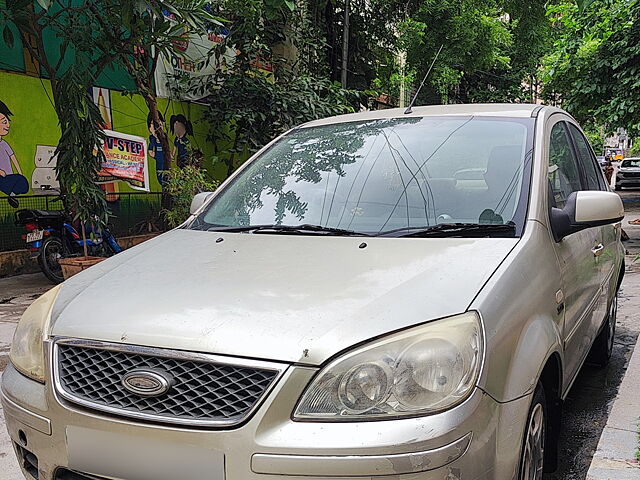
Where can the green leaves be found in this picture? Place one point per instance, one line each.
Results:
(594, 65)
(583, 4)
(45, 4)
(181, 185)
(258, 109)
(78, 154)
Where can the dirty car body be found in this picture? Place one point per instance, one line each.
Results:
(370, 295)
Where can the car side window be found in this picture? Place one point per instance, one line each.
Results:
(564, 176)
(593, 173)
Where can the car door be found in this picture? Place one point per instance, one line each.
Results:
(578, 263)
(608, 235)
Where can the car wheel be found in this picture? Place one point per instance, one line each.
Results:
(532, 458)
(602, 348)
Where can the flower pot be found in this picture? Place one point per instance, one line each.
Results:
(73, 265)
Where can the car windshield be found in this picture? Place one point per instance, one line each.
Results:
(379, 176)
(631, 163)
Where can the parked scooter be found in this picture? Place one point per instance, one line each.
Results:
(51, 236)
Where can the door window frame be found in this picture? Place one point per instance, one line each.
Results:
(581, 167)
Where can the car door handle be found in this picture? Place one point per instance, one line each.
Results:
(597, 250)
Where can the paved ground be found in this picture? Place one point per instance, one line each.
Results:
(16, 293)
(615, 456)
(591, 397)
(590, 400)
(586, 409)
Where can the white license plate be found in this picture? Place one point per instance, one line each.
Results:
(35, 236)
(127, 456)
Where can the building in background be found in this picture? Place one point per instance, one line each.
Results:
(618, 144)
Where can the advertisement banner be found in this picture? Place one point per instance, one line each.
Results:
(185, 75)
(125, 159)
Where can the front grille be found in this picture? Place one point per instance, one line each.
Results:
(205, 389)
(64, 474)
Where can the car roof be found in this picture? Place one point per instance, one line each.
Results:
(520, 110)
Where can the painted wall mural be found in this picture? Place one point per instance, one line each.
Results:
(29, 133)
(12, 181)
(44, 174)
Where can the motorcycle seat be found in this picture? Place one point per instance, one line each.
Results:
(49, 213)
(23, 216)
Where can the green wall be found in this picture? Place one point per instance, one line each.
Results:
(34, 122)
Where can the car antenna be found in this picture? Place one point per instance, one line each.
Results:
(408, 110)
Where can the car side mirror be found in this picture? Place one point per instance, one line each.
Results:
(585, 209)
(198, 201)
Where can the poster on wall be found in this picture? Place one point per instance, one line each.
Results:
(102, 98)
(44, 179)
(184, 74)
(125, 159)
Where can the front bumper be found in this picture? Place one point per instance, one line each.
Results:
(627, 181)
(478, 439)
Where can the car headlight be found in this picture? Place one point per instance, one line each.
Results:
(27, 349)
(418, 371)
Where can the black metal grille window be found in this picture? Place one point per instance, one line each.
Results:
(201, 392)
(131, 213)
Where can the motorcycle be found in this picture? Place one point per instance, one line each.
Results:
(51, 236)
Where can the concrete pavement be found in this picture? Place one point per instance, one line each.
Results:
(16, 294)
(615, 456)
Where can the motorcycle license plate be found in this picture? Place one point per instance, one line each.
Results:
(35, 236)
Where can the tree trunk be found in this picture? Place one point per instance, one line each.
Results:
(329, 21)
(231, 158)
(84, 240)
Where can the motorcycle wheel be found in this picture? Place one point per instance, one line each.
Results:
(51, 251)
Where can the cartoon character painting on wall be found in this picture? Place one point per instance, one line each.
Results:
(181, 128)
(12, 182)
(155, 148)
(44, 179)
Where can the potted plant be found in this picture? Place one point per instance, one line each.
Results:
(79, 156)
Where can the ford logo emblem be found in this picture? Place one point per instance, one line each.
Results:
(146, 383)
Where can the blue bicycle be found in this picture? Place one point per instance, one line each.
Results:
(51, 236)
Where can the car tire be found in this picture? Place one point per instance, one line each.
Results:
(535, 431)
(602, 347)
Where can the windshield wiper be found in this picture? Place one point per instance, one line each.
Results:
(292, 229)
(455, 229)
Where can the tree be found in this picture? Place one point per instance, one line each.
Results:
(594, 67)
(135, 34)
(256, 110)
(92, 36)
(80, 120)
(255, 107)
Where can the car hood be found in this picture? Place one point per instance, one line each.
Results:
(285, 298)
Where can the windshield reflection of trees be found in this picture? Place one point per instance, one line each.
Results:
(376, 176)
(306, 155)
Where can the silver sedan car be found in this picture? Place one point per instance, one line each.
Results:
(379, 295)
